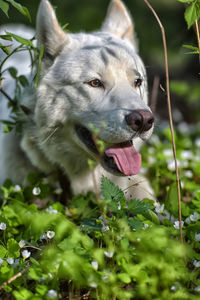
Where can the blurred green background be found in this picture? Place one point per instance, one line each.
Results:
(87, 15)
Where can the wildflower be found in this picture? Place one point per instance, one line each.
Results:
(187, 220)
(139, 239)
(189, 174)
(43, 237)
(50, 210)
(197, 237)
(22, 243)
(119, 205)
(197, 289)
(194, 217)
(176, 224)
(196, 263)
(16, 262)
(186, 154)
(173, 288)
(26, 254)
(3, 226)
(159, 208)
(52, 294)
(183, 127)
(36, 191)
(94, 265)
(197, 142)
(10, 260)
(1, 261)
(50, 234)
(167, 152)
(109, 254)
(17, 188)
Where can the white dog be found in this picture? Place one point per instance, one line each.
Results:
(92, 86)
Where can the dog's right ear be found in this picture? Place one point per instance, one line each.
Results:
(49, 32)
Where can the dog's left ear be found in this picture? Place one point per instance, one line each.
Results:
(49, 32)
(118, 22)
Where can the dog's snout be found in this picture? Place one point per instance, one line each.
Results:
(140, 120)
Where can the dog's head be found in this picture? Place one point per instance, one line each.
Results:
(92, 82)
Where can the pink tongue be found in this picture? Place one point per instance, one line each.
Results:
(127, 159)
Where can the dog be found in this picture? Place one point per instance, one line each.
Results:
(92, 86)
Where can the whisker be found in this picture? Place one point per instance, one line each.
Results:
(50, 135)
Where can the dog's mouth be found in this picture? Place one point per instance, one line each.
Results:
(120, 158)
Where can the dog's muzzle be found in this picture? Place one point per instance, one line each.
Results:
(140, 120)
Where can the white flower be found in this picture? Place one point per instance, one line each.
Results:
(50, 234)
(187, 220)
(194, 217)
(139, 239)
(3, 226)
(1, 261)
(43, 237)
(26, 254)
(151, 160)
(119, 205)
(173, 288)
(10, 260)
(189, 174)
(176, 224)
(168, 152)
(50, 210)
(197, 142)
(105, 228)
(36, 191)
(196, 263)
(93, 284)
(22, 243)
(197, 288)
(17, 188)
(109, 254)
(197, 237)
(159, 208)
(183, 127)
(52, 294)
(146, 226)
(187, 154)
(94, 265)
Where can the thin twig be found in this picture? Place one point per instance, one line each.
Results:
(13, 278)
(198, 36)
(170, 113)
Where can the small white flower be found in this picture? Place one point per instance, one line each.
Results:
(3, 226)
(17, 188)
(26, 254)
(93, 284)
(197, 142)
(50, 210)
(109, 253)
(168, 152)
(151, 160)
(43, 237)
(197, 289)
(105, 278)
(50, 234)
(160, 208)
(36, 191)
(187, 220)
(52, 294)
(187, 154)
(105, 228)
(1, 261)
(22, 243)
(197, 237)
(173, 288)
(196, 263)
(16, 262)
(94, 265)
(176, 224)
(183, 127)
(188, 174)
(139, 239)
(119, 205)
(10, 260)
(146, 226)
(194, 217)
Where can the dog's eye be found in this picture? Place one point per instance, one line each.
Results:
(95, 83)
(138, 82)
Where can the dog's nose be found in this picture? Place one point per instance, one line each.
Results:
(140, 120)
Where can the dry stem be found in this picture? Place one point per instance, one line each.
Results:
(170, 112)
(198, 36)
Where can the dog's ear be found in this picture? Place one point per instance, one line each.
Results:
(118, 22)
(49, 32)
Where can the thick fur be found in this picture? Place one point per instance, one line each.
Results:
(64, 98)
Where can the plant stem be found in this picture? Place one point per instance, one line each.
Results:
(170, 113)
(198, 36)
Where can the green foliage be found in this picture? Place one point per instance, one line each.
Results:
(4, 6)
(192, 12)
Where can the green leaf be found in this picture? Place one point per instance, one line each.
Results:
(138, 207)
(20, 39)
(110, 191)
(124, 277)
(13, 72)
(192, 13)
(5, 37)
(23, 80)
(135, 224)
(22, 9)
(5, 49)
(4, 7)
(185, 1)
(3, 251)
(13, 248)
(171, 202)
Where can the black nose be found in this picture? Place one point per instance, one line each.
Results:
(140, 120)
